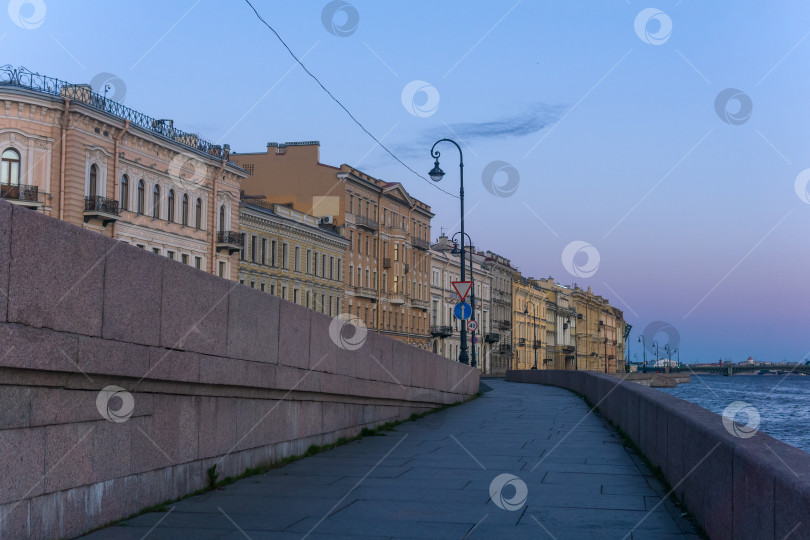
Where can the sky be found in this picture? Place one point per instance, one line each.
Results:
(652, 152)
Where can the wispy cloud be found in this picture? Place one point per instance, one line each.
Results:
(530, 121)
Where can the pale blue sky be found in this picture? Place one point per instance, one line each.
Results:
(616, 141)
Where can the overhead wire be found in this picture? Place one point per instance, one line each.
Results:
(336, 100)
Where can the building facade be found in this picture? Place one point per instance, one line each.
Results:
(291, 255)
(501, 276)
(445, 327)
(600, 333)
(85, 159)
(387, 261)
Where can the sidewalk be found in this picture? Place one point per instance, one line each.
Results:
(570, 478)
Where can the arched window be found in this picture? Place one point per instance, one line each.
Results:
(198, 215)
(141, 196)
(184, 211)
(125, 192)
(171, 206)
(222, 218)
(93, 188)
(11, 167)
(156, 202)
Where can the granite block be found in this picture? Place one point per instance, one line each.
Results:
(294, 335)
(23, 465)
(108, 357)
(253, 325)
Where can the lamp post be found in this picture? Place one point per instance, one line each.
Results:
(655, 343)
(602, 325)
(534, 327)
(436, 174)
(669, 358)
(457, 251)
(644, 350)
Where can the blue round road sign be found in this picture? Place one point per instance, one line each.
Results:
(462, 311)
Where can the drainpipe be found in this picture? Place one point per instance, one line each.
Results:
(65, 120)
(117, 140)
(226, 152)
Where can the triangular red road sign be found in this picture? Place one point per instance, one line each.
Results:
(462, 288)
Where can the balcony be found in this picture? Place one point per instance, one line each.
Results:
(505, 347)
(365, 292)
(366, 223)
(441, 331)
(229, 241)
(537, 344)
(418, 243)
(420, 304)
(396, 299)
(102, 208)
(503, 325)
(21, 195)
(521, 342)
(386, 263)
(492, 338)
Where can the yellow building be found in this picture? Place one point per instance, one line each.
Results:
(528, 323)
(292, 255)
(600, 333)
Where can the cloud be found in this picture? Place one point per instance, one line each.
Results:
(531, 121)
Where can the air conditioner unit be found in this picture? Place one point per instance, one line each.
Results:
(325, 220)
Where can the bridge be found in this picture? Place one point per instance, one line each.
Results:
(772, 369)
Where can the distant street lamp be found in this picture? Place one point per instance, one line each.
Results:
(534, 327)
(457, 251)
(602, 325)
(669, 357)
(644, 350)
(655, 343)
(436, 174)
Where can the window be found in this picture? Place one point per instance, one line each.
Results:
(243, 252)
(11, 167)
(309, 299)
(295, 296)
(264, 250)
(156, 251)
(184, 258)
(156, 202)
(262, 287)
(315, 264)
(125, 192)
(222, 218)
(323, 265)
(323, 301)
(284, 292)
(253, 243)
(92, 189)
(309, 261)
(396, 251)
(285, 256)
(198, 263)
(367, 251)
(170, 254)
(184, 211)
(331, 267)
(198, 215)
(396, 284)
(221, 268)
(273, 251)
(297, 261)
(351, 271)
(171, 206)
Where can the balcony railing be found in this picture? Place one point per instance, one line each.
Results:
(521, 342)
(367, 223)
(418, 243)
(492, 338)
(396, 299)
(537, 344)
(98, 207)
(365, 292)
(19, 192)
(420, 304)
(386, 262)
(506, 347)
(503, 325)
(229, 241)
(441, 331)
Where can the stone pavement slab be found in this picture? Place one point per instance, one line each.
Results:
(522, 461)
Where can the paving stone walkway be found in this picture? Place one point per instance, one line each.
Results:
(554, 471)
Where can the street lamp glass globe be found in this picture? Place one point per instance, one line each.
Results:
(436, 173)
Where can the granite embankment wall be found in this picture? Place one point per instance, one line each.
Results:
(736, 487)
(208, 372)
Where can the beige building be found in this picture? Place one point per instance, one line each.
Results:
(501, 276)
(600, 334)
(387, 261)
(444, 326)
(290, 254)
(90, 161)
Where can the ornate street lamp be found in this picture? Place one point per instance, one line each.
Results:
(534, 327)
(436, 174)
(644, 349)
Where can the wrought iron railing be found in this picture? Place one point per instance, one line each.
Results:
(231, 238)
(22, 77)
(368, 223)
(419, 243)
(20, 192)
(441, 331)
(492, 338)
(101, 204)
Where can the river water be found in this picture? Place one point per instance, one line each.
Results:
(782, 401)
